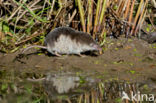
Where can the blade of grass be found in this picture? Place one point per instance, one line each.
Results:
(124, 8)
(130, 17)
(92, 97)
(90, 15)
(21, 15)
(13, 14)
(30, 11)
(35, 34)
(127, 10)
(141, 17)
(131, 11)
(136, 17)
(103, 34)
(72, 17)
(1, 35)
(51, 10)
(126, 15)
(57, 15)
(43, 6)
(102, 14)
(120, 8)
(80, 99)
(87, 97)
(96, 18)
(103, 11)
(120, 2)
(81, 11)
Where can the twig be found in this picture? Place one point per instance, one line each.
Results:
(51, 10)
(152, 23)
(15, 12)
(26, 11)
(72, 17)
(35, 34)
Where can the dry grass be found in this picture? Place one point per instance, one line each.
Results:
(27, 21)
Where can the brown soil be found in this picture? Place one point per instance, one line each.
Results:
(122, 59)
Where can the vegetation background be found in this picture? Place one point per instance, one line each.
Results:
(28, 21)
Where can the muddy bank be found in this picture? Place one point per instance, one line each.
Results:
(123, 59)
(126, 66)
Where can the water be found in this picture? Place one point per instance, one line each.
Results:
(67, 87)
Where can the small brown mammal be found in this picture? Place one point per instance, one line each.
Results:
(65, 40)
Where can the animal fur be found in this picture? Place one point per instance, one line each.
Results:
(65, 40)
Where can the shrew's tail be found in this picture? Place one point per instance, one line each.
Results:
(33, 46)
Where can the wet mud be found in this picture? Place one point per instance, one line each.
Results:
(123, 60)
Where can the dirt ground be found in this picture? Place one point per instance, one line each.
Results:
(123, 59)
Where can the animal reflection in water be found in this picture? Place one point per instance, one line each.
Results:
(66, 84)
